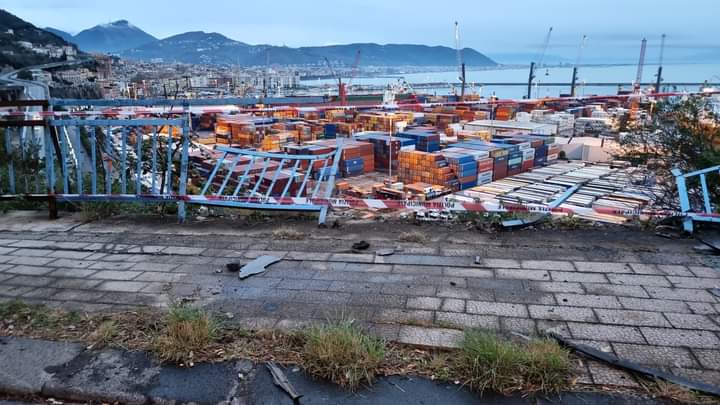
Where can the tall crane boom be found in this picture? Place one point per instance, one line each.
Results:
(641, 65)
(573, 83)
(342, 92)
(539, 65)
(461, 64)
(658, 81)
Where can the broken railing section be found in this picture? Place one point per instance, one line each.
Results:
(698, 201)
(252, 179)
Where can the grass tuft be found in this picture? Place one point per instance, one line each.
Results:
(187, 332)
(105, 334)
(490, 363)
(343, 354)
(288, 234)
(413, 237)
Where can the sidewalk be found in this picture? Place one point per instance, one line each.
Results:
(641, 297)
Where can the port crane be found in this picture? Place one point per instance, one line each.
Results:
(343, 87)
(658, 81)
(573, 83)
(541, 57)
(641, 66)
(634, 98)
(461, 64)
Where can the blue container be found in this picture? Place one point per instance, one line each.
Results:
(540, 160)
(541, 151)
(330, 130)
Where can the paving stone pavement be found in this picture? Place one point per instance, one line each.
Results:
(640, 297)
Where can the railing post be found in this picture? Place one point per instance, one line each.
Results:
(182, 188)
(684, 199)
(331, 180)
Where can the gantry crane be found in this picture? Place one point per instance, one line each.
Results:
(461, 64)
(573, 83)
(541, 57)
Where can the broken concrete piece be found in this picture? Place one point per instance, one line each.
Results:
(281, 381)
(257, 266)
(385, 252)
(711, 238)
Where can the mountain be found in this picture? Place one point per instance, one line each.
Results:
(62, 34)
(214, 48)
(112, 37)
(15, 34)
(526, 58)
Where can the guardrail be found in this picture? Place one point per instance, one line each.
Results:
(147, 160)
(698, 203)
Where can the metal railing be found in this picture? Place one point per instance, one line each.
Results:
(252, 179)
(147, 160)
(690, 203)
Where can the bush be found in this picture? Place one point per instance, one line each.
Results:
(682, 134)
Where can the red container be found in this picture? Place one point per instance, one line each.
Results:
(485, 165)
(527, 165)
(500, 170)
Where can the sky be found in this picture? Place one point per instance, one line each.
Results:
(614, 27)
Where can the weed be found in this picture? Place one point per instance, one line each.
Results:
(675, 393)
(22, 315)
(569, 222)
(547, 366)
(187, 331)
(441, 366)
(288, 234)
(343, 354)
(93, 211)
(413, 236)
(105, 334)
(503, 366)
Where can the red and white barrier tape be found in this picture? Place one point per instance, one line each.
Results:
(413, 205)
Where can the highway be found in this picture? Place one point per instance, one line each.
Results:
(40, 91)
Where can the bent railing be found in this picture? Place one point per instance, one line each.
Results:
(262, 180)
(697, 205)
(147, 160)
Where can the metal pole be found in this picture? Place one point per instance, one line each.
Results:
(390, 147)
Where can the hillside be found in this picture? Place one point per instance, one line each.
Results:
(112, 37)
(23, 44)
(62, 34)
(214, 48)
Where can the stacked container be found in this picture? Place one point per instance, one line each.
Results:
(425, 141)
(464, 167)
(386, 149)
(422, 167)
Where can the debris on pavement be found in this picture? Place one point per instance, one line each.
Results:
(362, 245)
(634, 367)
(711, 238)
(385, 252)
(281, 381)
(524, 222)
(233, 267)
(257, 266)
